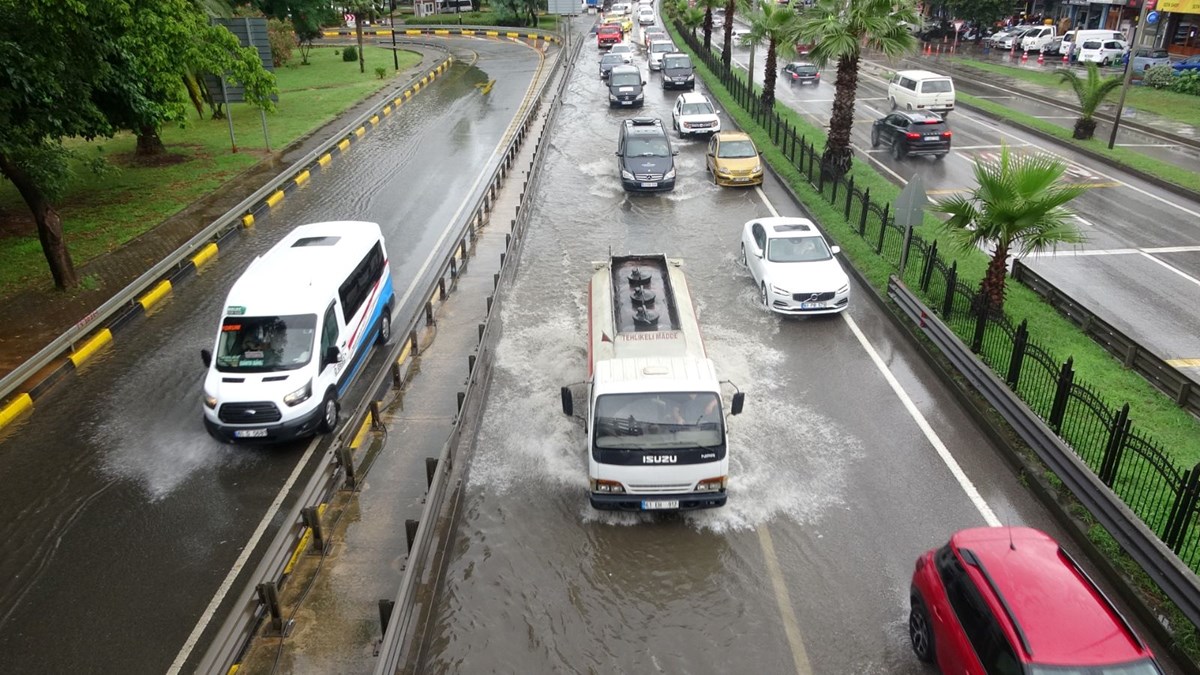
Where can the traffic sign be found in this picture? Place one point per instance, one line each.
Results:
(1152, 18)
(909, 210)
(958, 24)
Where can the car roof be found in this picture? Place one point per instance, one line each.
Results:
(920, 116)
(733, 136)
(920, 74)
(784, 226)
(645, 126)
(1059, 612)
(693, 97)
(802, 63)
(626, 68)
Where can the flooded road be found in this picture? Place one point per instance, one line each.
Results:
(849, 461)
(126, 516)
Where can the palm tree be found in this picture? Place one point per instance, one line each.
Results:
(839, 29)
(708, 6)
(1019, 202)
(692, 19)
(731, 6)
(772, 24)
(1091, 93)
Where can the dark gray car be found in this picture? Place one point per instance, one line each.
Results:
(677, 72)
(645, 156)
(625, 87)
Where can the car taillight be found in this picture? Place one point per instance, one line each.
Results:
(945, 134)
(795, 76)
(912, 135)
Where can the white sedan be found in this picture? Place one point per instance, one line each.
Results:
(794, 268)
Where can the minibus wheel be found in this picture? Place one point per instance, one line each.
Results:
(385, 326)
(329, 413)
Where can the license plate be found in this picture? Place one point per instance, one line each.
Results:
(649, 185)
(812, 305)
(657, 504)
(250, 433)
(742, 179)
(931, 138)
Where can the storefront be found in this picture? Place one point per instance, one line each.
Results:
(1181, 32)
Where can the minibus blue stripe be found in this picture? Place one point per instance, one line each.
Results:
(367, 338)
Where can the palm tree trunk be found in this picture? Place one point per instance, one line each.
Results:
(708, 29)
(1085, 128)
(727, 52)
(768, 95)
(837, 148)
(49, 224)
(992, 287)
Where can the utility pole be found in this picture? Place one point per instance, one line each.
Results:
(1112, 139)
(392, 23)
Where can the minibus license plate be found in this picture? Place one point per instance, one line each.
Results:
(250, 433)
(654, 504)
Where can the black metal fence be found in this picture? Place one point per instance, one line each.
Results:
(1135, 467)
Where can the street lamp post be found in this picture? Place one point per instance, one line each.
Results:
(1112, 139)
(392, 21)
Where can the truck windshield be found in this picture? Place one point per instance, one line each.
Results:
(258, 344)
(655, 421)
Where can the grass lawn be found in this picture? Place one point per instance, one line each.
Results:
(100, 213)
(1169, 104)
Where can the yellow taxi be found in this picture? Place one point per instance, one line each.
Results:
(624, 20)
(732, 159)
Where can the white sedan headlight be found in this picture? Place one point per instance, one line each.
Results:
(844, 289)
(779, 290)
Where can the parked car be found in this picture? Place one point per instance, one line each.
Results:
(1053, 47)
(912, 133)
(1190, 63)
(1009, 41)
(1036, 38)
(1103, 52)
(732, 159)
(645, 157)
(608, 61)
(694, 114)
(802, 72)
(1073, 38)
(1146, 57)
(677, 71)
(1011, 600)
(795, 269)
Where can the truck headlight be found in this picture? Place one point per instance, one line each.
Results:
(607, 486)
(711, 484)
(210, 401)
(300, 395)
(627, 175)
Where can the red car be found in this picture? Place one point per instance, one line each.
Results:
(1010, 600)
(608, 35)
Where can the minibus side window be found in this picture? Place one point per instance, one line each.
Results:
(329, 334)
(354, 290)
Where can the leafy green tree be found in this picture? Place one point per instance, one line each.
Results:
(1091, 93)
(708, 6)
(840, 29)
(692, 18)
(1018, 205)
(773, 25)
(980, 12)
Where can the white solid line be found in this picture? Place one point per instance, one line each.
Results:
(1174, 269)
(968, 487)
(988, 147)
(998, 98)
(1057, 117)
(784, 601)
(1113, 251)
(763, 196)
(219, 597)
(1145, 145)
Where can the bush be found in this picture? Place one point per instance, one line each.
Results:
(1159, 77)
(282, 37)
(380, 72)
(350, 54)
(1187, 82)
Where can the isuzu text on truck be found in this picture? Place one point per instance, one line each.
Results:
(655, 419)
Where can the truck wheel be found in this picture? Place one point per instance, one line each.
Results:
(329, 413)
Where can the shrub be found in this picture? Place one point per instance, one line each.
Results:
(1159, 77)
(1187, 82)
(380, 72)
(282, 37)
(350, 54)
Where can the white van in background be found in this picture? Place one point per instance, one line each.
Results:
(1074, 38)
(295, 331)
(1034, 39)
(921, 90)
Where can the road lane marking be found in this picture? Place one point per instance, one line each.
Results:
(1146, 145)
(1113, 251)
(968, 487)
(784, 601)
(964, 482)
(1171, 268)
(1057, 117)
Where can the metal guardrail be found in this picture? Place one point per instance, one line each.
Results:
(66, 343)
(1158, 372)
(398, 640)
(1179, 584)
(235, 634)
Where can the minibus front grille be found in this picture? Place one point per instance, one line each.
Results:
(254, 412)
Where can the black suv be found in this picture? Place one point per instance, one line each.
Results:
(625, 86)
(677, 71)
(912, 133)
(645, 157)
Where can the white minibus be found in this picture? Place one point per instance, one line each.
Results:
(295, 331)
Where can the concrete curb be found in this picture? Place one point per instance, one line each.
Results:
(444, 30)
(74, 359)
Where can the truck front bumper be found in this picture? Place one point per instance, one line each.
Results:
(642, 502)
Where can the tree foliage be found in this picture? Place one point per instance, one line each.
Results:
(1018, 205)
(839, 30)
(1091, 92)
(774, 25)
(981, 12)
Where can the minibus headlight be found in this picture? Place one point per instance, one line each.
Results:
(300, 395)
(210, 401)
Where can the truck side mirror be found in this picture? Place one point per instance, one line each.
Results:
(739, 400)
(206, 357)
(332, 355)
(568, 403)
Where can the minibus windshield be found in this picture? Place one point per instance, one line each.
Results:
(259, 344)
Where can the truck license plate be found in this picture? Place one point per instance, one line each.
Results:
(250, 433)
(656, 504)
